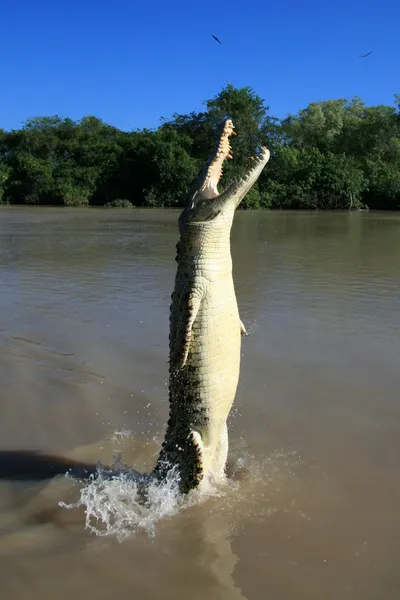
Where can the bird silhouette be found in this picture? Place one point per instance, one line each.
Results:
(365, 55)
(216, 39)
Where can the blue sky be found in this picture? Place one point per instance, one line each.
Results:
(132, 62)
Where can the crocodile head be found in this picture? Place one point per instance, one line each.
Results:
(205, 203)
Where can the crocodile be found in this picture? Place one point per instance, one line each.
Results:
(205, 328)
(204, 343)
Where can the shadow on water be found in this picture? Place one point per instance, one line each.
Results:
(32, 465)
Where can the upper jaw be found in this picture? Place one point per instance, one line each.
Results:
(212, 171)
(206, 184)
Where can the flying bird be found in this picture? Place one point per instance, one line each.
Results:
(365, 55)
(216, 39)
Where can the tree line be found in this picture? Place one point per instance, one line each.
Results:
(336, 154)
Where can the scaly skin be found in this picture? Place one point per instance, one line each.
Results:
(205, 328)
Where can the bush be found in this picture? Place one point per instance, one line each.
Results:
(119, 203)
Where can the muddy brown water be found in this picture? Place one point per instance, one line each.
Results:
(311, 510)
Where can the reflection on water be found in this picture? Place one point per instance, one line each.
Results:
(311, 510)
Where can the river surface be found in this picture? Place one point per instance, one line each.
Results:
(312, 507)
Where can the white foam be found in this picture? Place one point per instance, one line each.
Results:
(114, 505)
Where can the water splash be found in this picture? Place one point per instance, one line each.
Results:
(114, 503)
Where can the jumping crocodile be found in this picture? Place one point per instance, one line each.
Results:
(204, 342)
(205, 328)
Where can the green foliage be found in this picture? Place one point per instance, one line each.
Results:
(173, 170)
(69, 192)
(5, 172)
(336, 154)
(253, 199)
(119, 203)
(384, 185)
